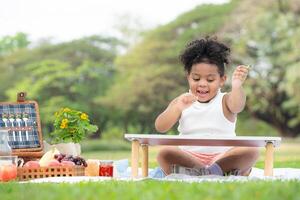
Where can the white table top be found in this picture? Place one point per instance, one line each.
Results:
(175, 140)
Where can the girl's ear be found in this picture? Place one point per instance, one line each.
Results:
(223, 80)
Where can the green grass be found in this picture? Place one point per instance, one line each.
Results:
(150, 189)
(104, 145)
(285, 156)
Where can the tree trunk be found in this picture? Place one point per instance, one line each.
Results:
(282, 127)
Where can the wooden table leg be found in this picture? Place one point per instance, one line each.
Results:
(144, 160)
(134, 158)
(269, 159)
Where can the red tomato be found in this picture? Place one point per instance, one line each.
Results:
(32, 164)
(8, 172)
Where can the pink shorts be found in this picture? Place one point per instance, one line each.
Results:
(206, 158)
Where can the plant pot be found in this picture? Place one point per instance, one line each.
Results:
(70, 148)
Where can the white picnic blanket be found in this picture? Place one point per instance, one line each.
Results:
(256, 174)
(283, 174)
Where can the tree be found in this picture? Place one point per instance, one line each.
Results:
(271, 44)
(55, 84)
(72, 74)
(129, 29)
(10, 44)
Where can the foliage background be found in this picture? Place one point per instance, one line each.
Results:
(124, 92)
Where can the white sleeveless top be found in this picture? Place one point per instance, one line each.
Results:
(206, 119)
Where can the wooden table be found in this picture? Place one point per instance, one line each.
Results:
(175, 140)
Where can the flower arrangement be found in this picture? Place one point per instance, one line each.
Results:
(72, 125)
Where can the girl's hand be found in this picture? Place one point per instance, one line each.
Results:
(239, 76)
(185, 100)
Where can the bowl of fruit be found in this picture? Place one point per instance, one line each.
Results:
(52, 164)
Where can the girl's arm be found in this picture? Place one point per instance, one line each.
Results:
(236, 99)
(166, 120)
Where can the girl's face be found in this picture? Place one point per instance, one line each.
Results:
(205, 81)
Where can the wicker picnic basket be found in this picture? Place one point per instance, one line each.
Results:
(22, 120)
(26, 173)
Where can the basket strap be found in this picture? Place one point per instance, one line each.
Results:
(21, 96)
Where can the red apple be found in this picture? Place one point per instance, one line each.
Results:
(67, 163)
(8, 172)
(54, 163)
(32, 164)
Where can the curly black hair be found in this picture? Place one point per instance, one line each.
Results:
(207, 50)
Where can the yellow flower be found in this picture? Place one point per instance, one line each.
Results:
(66, 110)
(84, 116)
(63, 125)
(64, 121)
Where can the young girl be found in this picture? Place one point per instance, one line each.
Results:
(206, 111)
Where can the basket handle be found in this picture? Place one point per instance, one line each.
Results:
(21, 96)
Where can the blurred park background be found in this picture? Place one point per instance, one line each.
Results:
(124, 82)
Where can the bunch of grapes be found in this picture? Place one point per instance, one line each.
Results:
(75, 159)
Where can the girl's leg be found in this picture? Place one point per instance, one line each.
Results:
(242, 158)
(169, 156)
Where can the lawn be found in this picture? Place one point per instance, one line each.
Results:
(286, 156)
